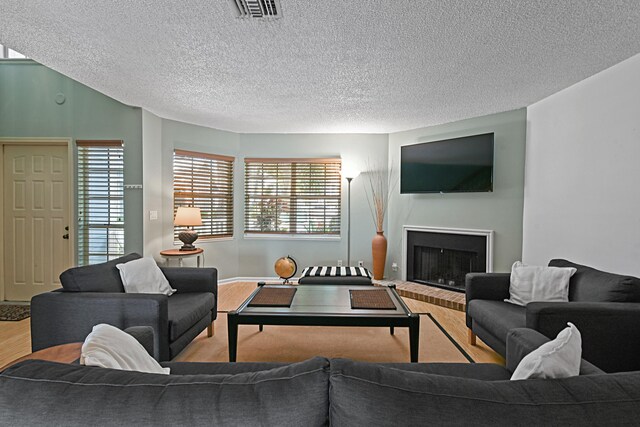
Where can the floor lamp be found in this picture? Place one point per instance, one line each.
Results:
(349, 176)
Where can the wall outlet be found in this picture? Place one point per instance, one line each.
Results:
(339, 263)
(360, 263)
(153, 215)
(394, 266)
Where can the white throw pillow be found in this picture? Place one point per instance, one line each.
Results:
(530, 283)
(559, 358)
(109, 347)
(143, 276)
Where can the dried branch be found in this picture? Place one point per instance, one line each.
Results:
(381, 182)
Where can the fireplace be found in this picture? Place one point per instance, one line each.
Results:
(443, 257)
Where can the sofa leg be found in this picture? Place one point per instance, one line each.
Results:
(471, 336)
(210, 330)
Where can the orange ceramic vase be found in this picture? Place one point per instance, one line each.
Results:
(379, 253)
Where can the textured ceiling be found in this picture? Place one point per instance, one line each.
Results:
(325, 66)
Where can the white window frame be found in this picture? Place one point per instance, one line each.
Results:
(291, 196)
(113, 222)
(216, 191)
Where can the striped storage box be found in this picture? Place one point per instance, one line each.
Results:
(318, 275)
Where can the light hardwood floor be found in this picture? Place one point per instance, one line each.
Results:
(15, 337)
(15, 340)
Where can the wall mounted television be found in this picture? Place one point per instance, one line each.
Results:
(458, 165)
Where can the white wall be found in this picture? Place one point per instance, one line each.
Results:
(582, 180)
(500, 210)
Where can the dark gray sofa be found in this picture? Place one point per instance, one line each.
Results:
(94, 294)
(605, 307)
(318, 391)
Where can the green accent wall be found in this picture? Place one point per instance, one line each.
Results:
(28, 109)
(500, 210)
(251, 256)
(219, 253)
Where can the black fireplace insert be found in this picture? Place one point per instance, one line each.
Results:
(444, 259)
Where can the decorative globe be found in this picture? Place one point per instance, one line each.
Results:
(286, 267)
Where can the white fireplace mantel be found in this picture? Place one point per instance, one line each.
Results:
(488, 234)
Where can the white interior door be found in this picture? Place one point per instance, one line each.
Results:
(36, 243)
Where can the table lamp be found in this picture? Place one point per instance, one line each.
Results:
(189, 217)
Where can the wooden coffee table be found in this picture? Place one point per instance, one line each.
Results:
(324, 305)
(64, 353)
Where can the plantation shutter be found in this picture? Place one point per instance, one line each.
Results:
(204, 181)
(292, 196)
(100, 201)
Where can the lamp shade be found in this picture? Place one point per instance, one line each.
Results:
(350, 172)
(188, 216)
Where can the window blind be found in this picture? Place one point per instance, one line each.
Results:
(100, 201)
(204, 181)
(292, 196)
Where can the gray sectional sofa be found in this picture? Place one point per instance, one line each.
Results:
(94, 294)
(605, 307)
(317, 392)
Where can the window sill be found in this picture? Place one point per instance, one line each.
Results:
(275, 236)
(18, 61)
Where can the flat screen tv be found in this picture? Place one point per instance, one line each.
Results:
(457, 165)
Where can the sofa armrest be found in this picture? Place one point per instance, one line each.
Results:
(610, 333)
(145, 336)
(522, 341)
(487, 286)
(186, 279)
(64, 317)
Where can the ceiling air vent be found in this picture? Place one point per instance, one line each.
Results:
(256, 8)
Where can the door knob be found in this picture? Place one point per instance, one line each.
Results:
(66, 236)
(66, 228)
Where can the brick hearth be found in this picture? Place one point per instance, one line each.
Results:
(430, 294)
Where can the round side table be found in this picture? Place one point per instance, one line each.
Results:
(169, 254)
(64, 353)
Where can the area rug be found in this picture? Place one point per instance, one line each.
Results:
(14, 313)
(296, 343)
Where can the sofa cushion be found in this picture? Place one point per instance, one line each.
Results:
(367, 394)
(103, 277)
(522, 341)
(184, 311)
(109, 347)
(477, 371)
(591, 285)
(73, 395)
(217, 368)
(558, 358)
(143, 276)
(497, 316)
(529, 283)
